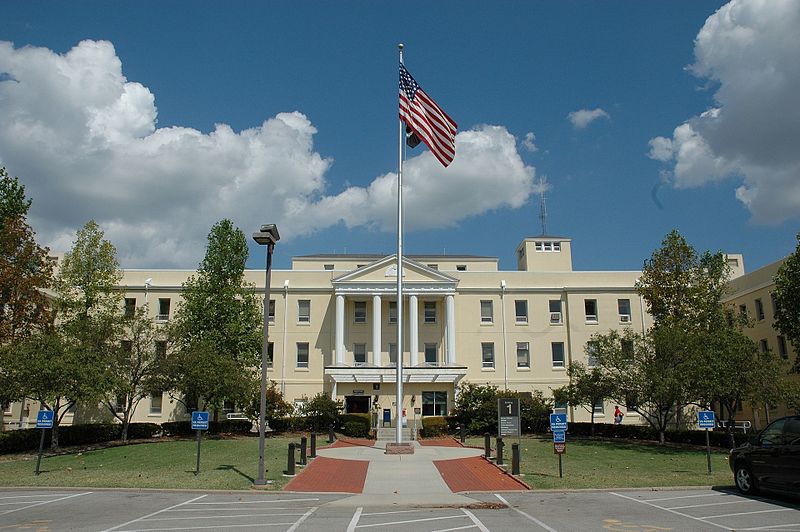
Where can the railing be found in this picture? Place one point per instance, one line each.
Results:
(743, 425)
(162, 317)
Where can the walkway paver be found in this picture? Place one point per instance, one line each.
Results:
(440, 442)
(476, 474)
(331, 475)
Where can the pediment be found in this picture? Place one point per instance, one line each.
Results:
(384, 271)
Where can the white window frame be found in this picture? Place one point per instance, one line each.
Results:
(153, 410)
(162, 316)
(429, 305)
(487, 348)
(623, 316)
(435, 349)
(301, 364)
(358, 316)
(392, 314)
(563, 362)
(271, 311)
(556, 317)
(393, 350)
(520, 318)
(759, 309)
(590, 318)
(487, 311)
(303, 317)
(591, 357)
(359, 348)
(526, 348)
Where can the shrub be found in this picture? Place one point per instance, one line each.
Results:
(477, 408)
(280, 425)
(87, 434)
(230, 426)
(143, 430)
(16, 441)
(646, 432)
(355, 425)
(177, 428)
(318, 413)
(433, 426)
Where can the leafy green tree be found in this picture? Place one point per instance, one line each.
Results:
(476, 408)
(587, 387)
(277, 408)
(13, 202)
(219, 323)
(787, 297)
(136, 367)
(320, 412)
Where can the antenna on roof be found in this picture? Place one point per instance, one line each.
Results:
(543, 205)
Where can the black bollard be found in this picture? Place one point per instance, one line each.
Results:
(303, 450)
(515, 459)
(499, 451)
(487, 445)
(290, 461)
(313, 445)
(331, 435)
(463, 432)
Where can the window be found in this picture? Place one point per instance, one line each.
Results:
(304, 311)
(598, 407)
(558, 354)
(434, 403)
(560, 407)
(130, 307)
(523, 355)
(591, 354)
(627, 349)
(556, 246)
(461, 267)
(764, 345)
(782, 348)
(487, 354)
(590, 306)
(555, 311)
(393, 354)
(119, 404)
(547, 246)
(743, 311)
(360, 311)
(624, 307)
(161, 349)
(430, 312)
(487, 312)
(7, 409)
(328, 266)
(430, 355)
(271, 311)
(270, 354)
(433, 266)
(392, 312)
(521, 311)
(155, 403)
(360, 354)
(759, 310)
(228, 406)
(163, 309)
(302, 354)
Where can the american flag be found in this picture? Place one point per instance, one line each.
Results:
(426, 119)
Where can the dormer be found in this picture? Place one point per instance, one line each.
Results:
(545, 254)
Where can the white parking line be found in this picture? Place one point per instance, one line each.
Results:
(648, 503)
(254, 502)
(354, 521)
(702, 505)
(29, 496)
(475, 520)
(465, 527)
(18, 503)
(39, 503)
(420, 520)
(217, 517)
(749, 513)
(689, 497)
(215, 527)
(530, 517)
(775, 527)
(393, 512)
(303, 518)
(152, 514)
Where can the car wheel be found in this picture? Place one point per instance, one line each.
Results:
(745, 481)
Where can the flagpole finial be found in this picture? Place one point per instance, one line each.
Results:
(400, 46)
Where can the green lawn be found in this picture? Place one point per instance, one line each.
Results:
(224, 464)
(232, 464)
(612, 464)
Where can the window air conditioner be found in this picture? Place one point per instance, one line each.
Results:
(555, 317)
(625, 318)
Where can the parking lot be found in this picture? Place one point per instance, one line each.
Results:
(630, 511)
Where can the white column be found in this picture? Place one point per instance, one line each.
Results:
(376, 330)
(339, 329)
(450, 327)
(333, 391)
(413, 330)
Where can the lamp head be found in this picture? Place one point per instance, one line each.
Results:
(267, 235)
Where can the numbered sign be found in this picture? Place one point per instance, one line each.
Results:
(508, 417)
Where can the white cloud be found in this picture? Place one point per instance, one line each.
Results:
(529, 143)
(84, 141)
(749, 49)
(583, 117)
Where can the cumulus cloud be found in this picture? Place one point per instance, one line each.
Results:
(84, 141)
(529, 142)
(583, 117)
(748, 48)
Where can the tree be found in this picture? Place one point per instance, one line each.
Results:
(136, 367)
(277, 407)
(476, 408)
(587, 387)
(320, 412)
(13, 202)
(787, 299)
(220, 322)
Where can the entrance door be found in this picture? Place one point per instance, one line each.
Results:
(356, 404)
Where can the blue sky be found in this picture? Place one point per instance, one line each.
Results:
(306, 93)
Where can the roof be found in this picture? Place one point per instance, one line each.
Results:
(377, 256)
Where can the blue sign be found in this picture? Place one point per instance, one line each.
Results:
(199, 420)
(559, 436)
(705, 419)
(44, 419)
(558, 422)
(387, 415)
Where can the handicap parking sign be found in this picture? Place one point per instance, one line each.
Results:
(44, 419)
(705, 419)
(199, 420)
(558, 422)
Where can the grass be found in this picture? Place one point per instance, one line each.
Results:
(614, 464)
(231, 464)
(227, 464)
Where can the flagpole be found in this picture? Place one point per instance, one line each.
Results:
(399, 365)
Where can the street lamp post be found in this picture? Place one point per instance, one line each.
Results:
(268, 235)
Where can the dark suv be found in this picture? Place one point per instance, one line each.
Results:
(772, 461)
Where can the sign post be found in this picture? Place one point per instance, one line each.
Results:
(44, 421)
(199, 423)
(558, 425)
(705, 420)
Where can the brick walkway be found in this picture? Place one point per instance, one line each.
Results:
(331, 475)
(352, 442)
(475, 474)
(441, 442)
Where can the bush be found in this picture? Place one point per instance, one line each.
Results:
(646, 432)
(318, 413)
(476, 407)
(177, 428)
(280, 425)
(143, 430)
(87, 434)
(433, 426)
(355, 425)
(230, 426)
(16, 441)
